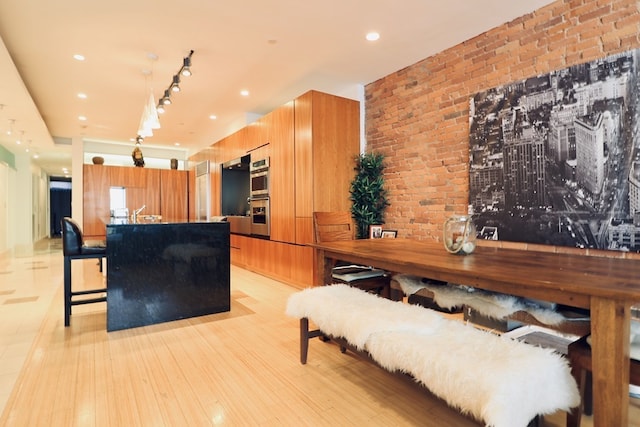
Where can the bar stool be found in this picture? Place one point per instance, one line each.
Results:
(74, 247)
(579, 355)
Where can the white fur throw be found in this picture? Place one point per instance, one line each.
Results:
(494, 305)
(503, 382)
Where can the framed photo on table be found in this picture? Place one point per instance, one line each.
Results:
(389, 234)
(375, 231)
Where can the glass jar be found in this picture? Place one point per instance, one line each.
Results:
(459, 235)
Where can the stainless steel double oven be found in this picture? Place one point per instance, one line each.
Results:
(259, 199)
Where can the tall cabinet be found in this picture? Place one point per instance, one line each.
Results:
(311, 142)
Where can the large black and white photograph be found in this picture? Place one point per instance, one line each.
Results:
(555, 159)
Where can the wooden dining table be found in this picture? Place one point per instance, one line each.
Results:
(607, 286)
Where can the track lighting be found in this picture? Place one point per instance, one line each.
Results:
(166, 99)
(149, 119)
(186, 65)
(175, 86)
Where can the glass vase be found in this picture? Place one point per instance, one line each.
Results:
(459, 235)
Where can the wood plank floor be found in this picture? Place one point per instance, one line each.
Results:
(239, 368)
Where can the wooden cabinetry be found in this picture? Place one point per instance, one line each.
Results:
(311, 143)
(327, 141)
(147, 195)
(95, 184)
(162, 192)
(279, 129)
(174, 204)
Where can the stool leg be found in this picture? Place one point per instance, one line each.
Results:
(67, 290)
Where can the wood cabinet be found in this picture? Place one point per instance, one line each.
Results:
(327, 141)
(138, 195)
(95, 184)
(280, 133)
(311, 143)
(162, 192)
(174, 204)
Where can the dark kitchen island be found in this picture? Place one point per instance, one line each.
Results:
(159, 272)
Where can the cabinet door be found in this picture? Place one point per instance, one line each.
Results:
(95, 200)
(129, 176)
(280, 129)
(148, 195)
(173, 194)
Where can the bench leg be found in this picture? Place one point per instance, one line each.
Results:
(304, 340)
(305, 335)
(574, 416)
(67, 290)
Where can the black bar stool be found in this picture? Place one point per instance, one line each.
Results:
(74, 247)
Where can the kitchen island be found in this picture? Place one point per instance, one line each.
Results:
(159, 272)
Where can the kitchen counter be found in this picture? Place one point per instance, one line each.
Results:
(163, 271)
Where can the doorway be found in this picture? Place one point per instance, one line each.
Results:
(60, 203)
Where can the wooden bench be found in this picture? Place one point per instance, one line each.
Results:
(500, 381)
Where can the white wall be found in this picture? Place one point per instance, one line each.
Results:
(24, 206)
(4, 208)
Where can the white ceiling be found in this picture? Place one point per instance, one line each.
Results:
(275, 49)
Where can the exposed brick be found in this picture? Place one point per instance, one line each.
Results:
(418, 116)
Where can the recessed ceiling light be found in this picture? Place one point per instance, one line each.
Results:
(373, 36)
(177, 144)
(213, 117)
(82, 95)
(78, 57)
(82, 118)
(244, 92)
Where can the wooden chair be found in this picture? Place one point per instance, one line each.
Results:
(579, 355)
(335, 226)
(74, 247)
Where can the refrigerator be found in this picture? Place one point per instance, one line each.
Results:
(203, 192)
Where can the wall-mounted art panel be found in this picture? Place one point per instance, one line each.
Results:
(555, 159)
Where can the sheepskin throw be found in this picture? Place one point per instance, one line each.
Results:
(503, 382)
(490, 304)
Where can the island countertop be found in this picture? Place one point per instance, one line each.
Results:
(159, 272)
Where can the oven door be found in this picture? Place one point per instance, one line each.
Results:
(260, 217)
(260, 184)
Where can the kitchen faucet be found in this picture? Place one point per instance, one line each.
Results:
(136, 212)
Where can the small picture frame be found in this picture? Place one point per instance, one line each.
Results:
(375, 231)
(389, 234)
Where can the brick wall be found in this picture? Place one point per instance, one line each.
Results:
(418, 117)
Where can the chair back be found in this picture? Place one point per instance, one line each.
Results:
(333, 226)
(71, 237)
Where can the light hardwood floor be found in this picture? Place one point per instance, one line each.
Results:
(239, 368)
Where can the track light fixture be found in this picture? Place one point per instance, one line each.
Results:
(149, 119)
(166, 99)
(175, 86)
(186, 65)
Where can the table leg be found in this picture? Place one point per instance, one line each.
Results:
(610, 326)
(324, 268)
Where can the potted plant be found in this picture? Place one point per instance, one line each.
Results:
(368, 194)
